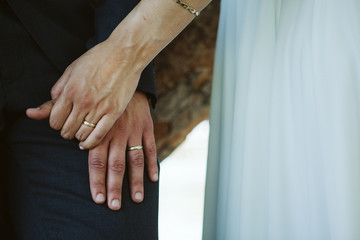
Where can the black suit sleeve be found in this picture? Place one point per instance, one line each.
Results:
(108, 14)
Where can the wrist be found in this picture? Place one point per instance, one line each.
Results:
(139, 99)
(132, 39)
(149, 27)
(140, 96)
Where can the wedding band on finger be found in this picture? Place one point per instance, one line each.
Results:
(138, 147)
(86, 123)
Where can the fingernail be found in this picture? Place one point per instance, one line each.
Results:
(37, 109)
(138, 196)
(100, 197)
(115, 203)
(155, 177)
(81, 147)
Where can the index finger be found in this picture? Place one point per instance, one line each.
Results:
(97, 172)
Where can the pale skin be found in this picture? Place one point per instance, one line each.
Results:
(108, 160)
(98, 86)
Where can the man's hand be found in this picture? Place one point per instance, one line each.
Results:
(107, 161)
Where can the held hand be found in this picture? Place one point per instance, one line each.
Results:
(107, 161)
(95, 88)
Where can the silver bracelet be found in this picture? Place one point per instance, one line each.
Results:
(187, 7)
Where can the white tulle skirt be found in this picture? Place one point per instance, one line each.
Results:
(284, 153)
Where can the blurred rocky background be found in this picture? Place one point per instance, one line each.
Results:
(183, 76)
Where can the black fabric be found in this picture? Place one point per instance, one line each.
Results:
(62, 29)
(44, 186)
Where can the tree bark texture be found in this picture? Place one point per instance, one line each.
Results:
(183, 75)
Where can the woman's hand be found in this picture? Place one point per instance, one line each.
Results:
(98, 86)
(95, 88)
(108, 160)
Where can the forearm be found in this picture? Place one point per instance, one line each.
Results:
(150, 26)
(98, 86)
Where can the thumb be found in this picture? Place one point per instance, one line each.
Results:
(41, 112)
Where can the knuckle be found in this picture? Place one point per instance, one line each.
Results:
(121, 127)
(106, 106)
(66, 135)
(97, 184)
(86, 101)
(97, 163)
(149, 128)
(69, 92)
(115, 190)
(117, 165)
(53, 92)
(98, 137)
(152, 149)
(80, 137)
(54, 125)
(49, 104)
(137, 160)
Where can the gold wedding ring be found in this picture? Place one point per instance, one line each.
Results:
(138, 147)
(89, 124)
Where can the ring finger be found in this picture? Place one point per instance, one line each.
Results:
(135, 159)
(87, 126)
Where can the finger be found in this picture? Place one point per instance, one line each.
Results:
(60, 113)
(150, 154)
(116, 170)
(84, 131)
(97, 172)
(102, 128)
(41, 112)
(135, 159)
(72, 124)
(59, 85)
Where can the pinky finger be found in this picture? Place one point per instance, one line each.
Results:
(150, 155)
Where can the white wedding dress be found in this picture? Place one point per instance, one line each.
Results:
(284, 153)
